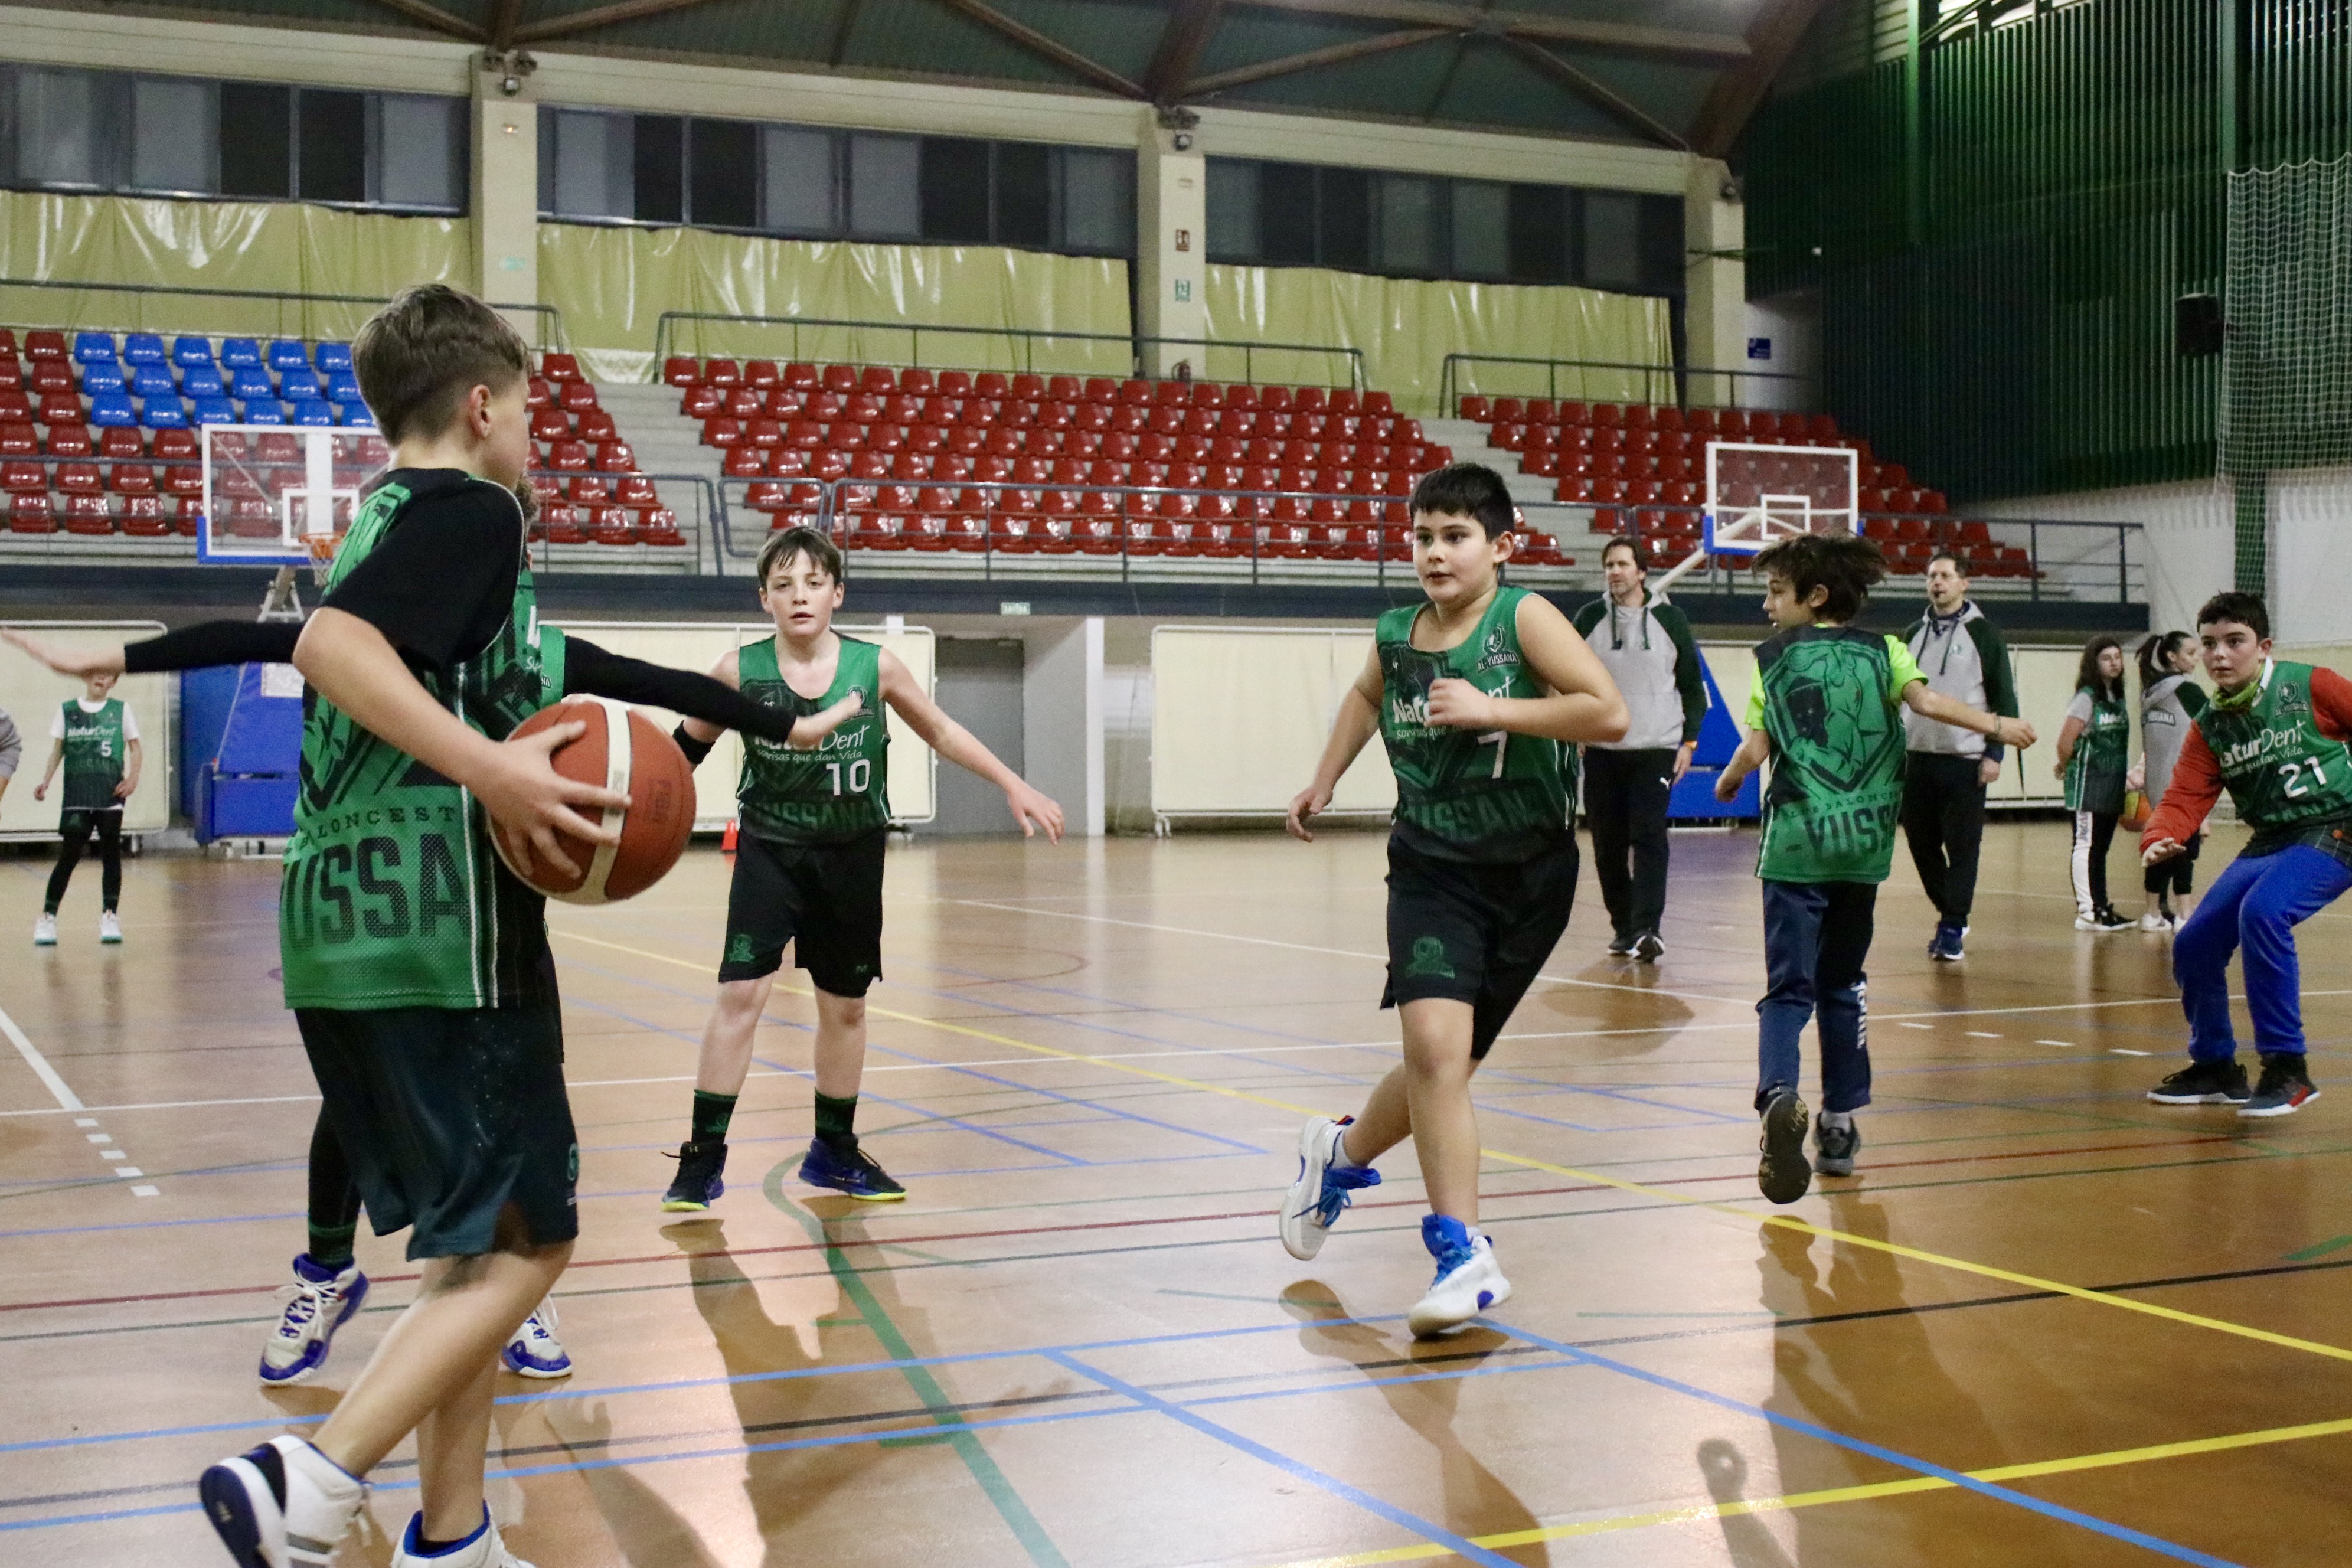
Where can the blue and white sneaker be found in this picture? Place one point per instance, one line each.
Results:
(1468, 1278)
(1315, 1198)
(534, 1352)
(282, 1505)
(851, 1170)
(318, 1302)
(1946, 947)
(483, 1549)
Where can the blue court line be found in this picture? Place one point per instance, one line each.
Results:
(1860, 1445)
(1145, 1400)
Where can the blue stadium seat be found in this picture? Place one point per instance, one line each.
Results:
(343, 387)
(190, 352)
(311, 411)
(163, 414)
(356, 415)
(214, 411)
(251, 381)
(299, 387)
(240, 353)
(112, 408)
(143, 348)
(261, 411)
(203, 381)
(153, 381)
(91, 347)
(334, 357)
(102, 375)
(286, 354)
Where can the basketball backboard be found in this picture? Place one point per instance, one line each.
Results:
(281, 494)
(1756, 495)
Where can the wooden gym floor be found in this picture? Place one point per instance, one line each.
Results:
(2048, 1323)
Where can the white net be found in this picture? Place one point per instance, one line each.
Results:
(2286, 366)
(1757, 494)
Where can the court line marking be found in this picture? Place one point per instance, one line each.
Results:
(67, 1099)
(1786, 1222)
(1704, 1511)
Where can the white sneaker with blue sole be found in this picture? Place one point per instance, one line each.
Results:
(535, 1350)
(282, 1505)
(320, 1303)
(1319, 1195)
(1468, 1281)
(483, 1549)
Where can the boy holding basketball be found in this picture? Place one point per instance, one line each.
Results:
(808, 864)
(1474, 692)
(1822, 710)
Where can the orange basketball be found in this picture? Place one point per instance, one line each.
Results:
(622, 749)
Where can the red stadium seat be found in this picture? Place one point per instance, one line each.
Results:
(142, 517)
(29, 512)
(560, 367)
(679, 371)
(88, 514)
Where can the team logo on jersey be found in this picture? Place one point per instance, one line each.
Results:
(739, 948)
(1497, 652)
(1428, 959)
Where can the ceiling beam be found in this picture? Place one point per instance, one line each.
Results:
(1737, 92)
(505, 16)
(1315, 59)
(599, 17)
(1191, 25)
(1597, 93)
(1615, 38)
(1038, 44)
(434, 17)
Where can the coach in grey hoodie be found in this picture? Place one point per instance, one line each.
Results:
(1962, 656)
(1648, 649)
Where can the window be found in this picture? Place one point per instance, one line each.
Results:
(175, 136)
(953, 181)
(884, 195)
(725, 175)
(60, 130)
(1482, 229)
(658, 166)
(802, 178)
(333, 154)
(423, 159)
(1411, 224)
(257, 156)
(1097, 202)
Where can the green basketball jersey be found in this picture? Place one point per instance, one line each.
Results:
(1462, 795)
(2282, 774)
(392, 895)
(2094, 774)
(840, 789)
(95, 746)
(1830, 699)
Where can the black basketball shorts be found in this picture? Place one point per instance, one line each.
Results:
(826, 899)
(1474, 932)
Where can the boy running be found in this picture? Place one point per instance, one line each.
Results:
(1475, 693)
(1822, 710)
(808, 863)
(96, 738)
(2275, 738)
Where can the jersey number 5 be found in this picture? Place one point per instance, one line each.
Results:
(861, 773)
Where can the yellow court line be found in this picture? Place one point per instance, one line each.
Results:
(1786, 1222)
(1427, 1551)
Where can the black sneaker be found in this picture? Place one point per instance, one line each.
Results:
(1620, 945)
(2105, 920)
(1945, 946)
(849, 1169)
(1648, 948)
(1782, 1174)
(697, 1186)
(1835, 1147)
(2204, 1083)
(2285, 1087)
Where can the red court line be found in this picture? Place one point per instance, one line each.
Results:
(1101, 1224)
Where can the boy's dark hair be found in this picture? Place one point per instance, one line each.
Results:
(2087, 676)
(1468, 489)
(1627, 542)
(417, 358)
(800, 540)
(1959, 563)
(1845, 564)
(2246, 609)
(2156, 657)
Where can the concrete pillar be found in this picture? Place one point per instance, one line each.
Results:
(1172, 208)
(1715, 312)
(1061, 718)
(505, 194)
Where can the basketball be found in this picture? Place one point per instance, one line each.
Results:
(622, 749)
(2136, 811)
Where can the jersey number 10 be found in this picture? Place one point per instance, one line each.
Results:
(861, 774)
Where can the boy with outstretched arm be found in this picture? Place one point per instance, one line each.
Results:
(1474, 692)
(2275, 737)
(1823, 712)
(808, 861)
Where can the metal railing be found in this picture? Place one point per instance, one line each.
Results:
(1025, 340)
(707, 519)
(547, 318)
(1660, 384)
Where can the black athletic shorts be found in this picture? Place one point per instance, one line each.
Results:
(447, 1115)
(1474, 932)
(823, 899)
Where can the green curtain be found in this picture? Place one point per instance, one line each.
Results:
(1405, 328)
(613, 284)
(281, 246)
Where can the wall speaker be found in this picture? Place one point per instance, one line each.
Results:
(2196, 328)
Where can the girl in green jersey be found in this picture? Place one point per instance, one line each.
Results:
(2094, 757)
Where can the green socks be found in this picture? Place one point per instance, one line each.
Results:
(712, 1112)
(330, 1245)
(837, 1120)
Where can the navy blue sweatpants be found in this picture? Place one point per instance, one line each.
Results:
(1816, 940)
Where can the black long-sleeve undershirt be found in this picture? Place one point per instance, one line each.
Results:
(588, 669)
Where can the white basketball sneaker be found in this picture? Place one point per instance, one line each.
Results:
(44, 931)
(282, 1505)
(109, 927)
(1468, 1280)
(318, 1302)
(535, 1350)
(483, 1549)
(1320, 1192)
